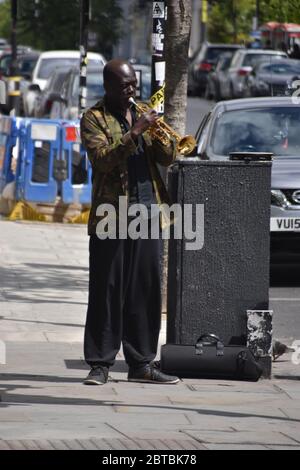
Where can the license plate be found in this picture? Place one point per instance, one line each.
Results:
(285, 224)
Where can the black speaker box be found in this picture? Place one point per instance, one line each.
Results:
(211, 288)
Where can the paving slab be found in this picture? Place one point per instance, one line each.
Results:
(239, 447)
(241, 437)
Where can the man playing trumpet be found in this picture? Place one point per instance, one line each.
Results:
(124, 288)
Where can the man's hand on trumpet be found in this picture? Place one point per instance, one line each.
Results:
(143, 123)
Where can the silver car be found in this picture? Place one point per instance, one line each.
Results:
(232, 84)
(268, 124)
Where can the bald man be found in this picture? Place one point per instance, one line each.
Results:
(124, 287)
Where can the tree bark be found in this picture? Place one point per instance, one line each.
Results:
(179, 20)
(178, 27)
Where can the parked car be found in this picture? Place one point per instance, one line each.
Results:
(45, 65)
(268, 124)
(6, 48)
(201, 64)
(242, 63)
(217, 75)
(3, 46)
(272, 79)
(65, 105)
(45, 99)
(25, 63)
(3, 43)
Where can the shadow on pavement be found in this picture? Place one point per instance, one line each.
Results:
(12, 399)
(2, 318)
(68, 267)
(286, 377)
(24, 284)
(37, 378)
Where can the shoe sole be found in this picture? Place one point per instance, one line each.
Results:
(93, 382)
(173, 382)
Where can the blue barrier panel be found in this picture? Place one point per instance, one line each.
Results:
(78, 185)
(39, 147)
(9, 133)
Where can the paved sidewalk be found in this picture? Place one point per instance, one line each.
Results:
(43, 404)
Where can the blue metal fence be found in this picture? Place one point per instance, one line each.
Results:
(51, 160)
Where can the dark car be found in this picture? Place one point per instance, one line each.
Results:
(52, 90)
(216, 76)
(268, 124)
(25, 63)
(272, 79)
(202, 63)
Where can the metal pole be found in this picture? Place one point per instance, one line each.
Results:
(158, 56)
(13, 82)
(84, 22)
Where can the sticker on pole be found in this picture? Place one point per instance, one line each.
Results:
(158, 98)
(158, 10)
(158, 42)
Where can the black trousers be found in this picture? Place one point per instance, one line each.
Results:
(124, 301)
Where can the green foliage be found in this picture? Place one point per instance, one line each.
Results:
(279, 10)
(54, 24)
(231, 20)
(5, 20)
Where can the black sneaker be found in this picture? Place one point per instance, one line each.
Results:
(98, 376)
(150, 374)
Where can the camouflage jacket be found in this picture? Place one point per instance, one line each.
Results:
(108, 150)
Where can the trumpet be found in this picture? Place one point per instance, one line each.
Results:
(164, 133)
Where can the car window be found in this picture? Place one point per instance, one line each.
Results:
(213, 53)
(235, 59)
(49, 82)
(200, 54)
(281, 68)
(251, 59)
(48, 65)
(224, 64)
(58, 80)
(273, 130)
(203, 134)
(5, 63)
(27, 65)
(64, 88)
(95, 89)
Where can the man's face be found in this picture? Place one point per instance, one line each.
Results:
(122, 86)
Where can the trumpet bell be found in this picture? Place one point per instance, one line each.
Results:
(186, 145)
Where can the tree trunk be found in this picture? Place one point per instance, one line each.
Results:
(179, 20)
